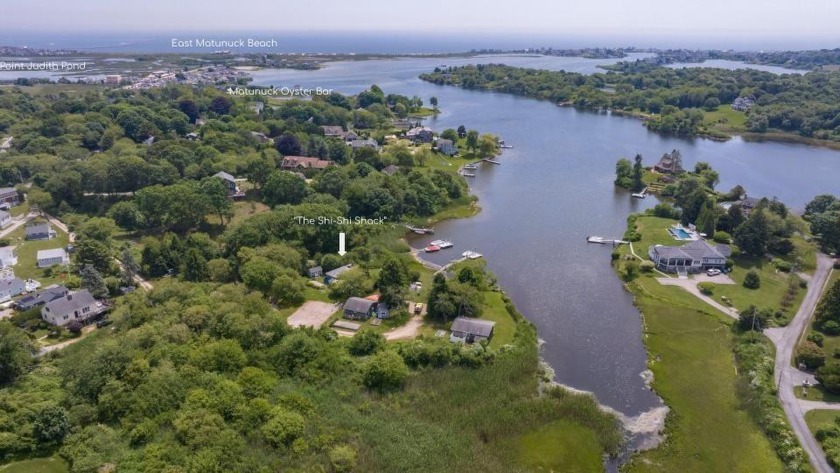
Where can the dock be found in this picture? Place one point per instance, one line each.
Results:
(642, 194)
(603, 241)
(491, 161)
(420, 231)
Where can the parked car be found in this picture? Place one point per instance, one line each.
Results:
(104, 323)
(5, 206)
(713, 272)
(418, 308)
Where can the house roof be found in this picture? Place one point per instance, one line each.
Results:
(36, 226)
(390, 169)
(7, 252)
(47, 294)
(225, 176)
(304, 162)
(418, 130)
(482, 328)
(362, 143)
(71, 302)
(444, 142)
(357, 304)
(696, 250)
(7, 190)
(337, 271)
(333, 130)
(52, 253)
(315, 270)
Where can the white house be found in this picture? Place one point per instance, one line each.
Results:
(79, 306)
(5, 219)
(40, 231)
(690, 258)
(10, 287)
(52, 257)
(8, 257)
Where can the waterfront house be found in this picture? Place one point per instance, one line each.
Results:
(52, 257)
(420, 134)
(39, 231)
(742, 104)
(37, 299)
(692, 257)
(5, 219)
(357, 308)
(446, 147)
(294, 163)
(332, 276)
(668, 165)
(81, 306)
(9, 195)
(8, 257)
(10, 287)
(468, 330)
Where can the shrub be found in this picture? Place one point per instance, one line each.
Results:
(722, 237)
(707, 288)
(730, 263)
(631, 270)
(811, 355)
(752, 280)
(283, 427)
(836, 353)
(666, 211)
(632, 235)
(817, 338)
(647, 266)
(5, 242)
(342, 458)
(385, 371)
(783, 266)
(615, 255)
(366, 342)
(829, 376)
(831, 327)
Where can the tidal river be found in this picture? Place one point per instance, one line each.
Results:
(555, 188)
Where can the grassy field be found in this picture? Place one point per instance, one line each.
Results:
(690, 349)
(726, 120)
(538, 449)
(52, 464)
(27, 254)
(821, 418)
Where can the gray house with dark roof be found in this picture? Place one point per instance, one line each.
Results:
(39, 231)
(332, 276)
(692, 257)
(10, 287)
(468, 330)
(79, 306)
(357, 308)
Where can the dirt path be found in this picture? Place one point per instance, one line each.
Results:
(58, 346)
(409, 330)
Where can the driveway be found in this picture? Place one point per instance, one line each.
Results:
(690, 285)
(312, 314)
(409, 330)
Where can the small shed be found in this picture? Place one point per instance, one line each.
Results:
(469, 330)
(315, 272)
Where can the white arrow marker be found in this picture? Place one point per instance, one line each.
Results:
(341, 249)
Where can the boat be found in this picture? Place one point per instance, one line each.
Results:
(596, 239)
(471, 255)
(471, 166)
(506, 146)
(468, 174)
(639, 195)
(431, 249)
(441, 244)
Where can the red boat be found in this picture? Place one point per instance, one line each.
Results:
(431, 249)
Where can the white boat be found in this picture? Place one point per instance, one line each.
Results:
(596, 239)
(639, 195)
(506, 146)
(471, 166)
(442, 244)
(471, 255)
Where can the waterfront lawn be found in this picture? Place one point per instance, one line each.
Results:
(725, 119)
(690, 349)
(538, 449)
(496, 311)
(54, 464)
(774, 285)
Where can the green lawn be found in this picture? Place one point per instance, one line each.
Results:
(495, 310)
(690, 349)
(18, 210)
(52, 464)
(725, 119)
(27, 254)
(538, 449)
(821, 418)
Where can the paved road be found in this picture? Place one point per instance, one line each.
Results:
(786, 375)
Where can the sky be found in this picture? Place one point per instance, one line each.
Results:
(781, 19)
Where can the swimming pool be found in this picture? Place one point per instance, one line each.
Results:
(681, 234)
